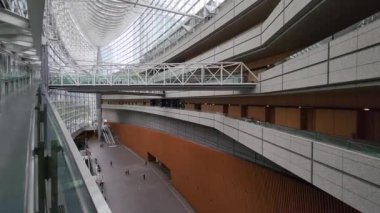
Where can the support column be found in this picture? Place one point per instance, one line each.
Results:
(99, 98)
(99, 114)
(30, 78)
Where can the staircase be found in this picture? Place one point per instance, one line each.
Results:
(108, 136)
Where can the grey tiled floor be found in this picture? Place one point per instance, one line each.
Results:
(131, 193)
(15, 114)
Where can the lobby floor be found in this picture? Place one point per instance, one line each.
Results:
(16, 111)
(130, 193)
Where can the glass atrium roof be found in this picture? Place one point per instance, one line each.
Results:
(126, 31)
(101, 21)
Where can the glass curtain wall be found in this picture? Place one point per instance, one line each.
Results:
(14, 73)
(77, 110)
(67, 46)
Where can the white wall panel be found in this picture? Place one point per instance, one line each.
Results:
(344, 44)
(274, 14)
(294, 7)
(274, 84)
(369, 35)
(368, 63)
(272, 28)
(251, 142)
(328, 179)
(343, 69)
(310, 76)
(272, 72)
(362, 166)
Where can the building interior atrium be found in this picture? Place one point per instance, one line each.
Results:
(149, 106)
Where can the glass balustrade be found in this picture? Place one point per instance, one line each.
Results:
(61, 178)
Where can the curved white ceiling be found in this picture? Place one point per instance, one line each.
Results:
(101, 21)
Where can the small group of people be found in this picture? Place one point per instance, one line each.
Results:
(97, 166)
(99, 180)
(127, 173)
(101, 186)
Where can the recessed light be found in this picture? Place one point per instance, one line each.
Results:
(366, 109)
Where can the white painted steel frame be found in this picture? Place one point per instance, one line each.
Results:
(166, 74)
(19, 7)
(61, 28)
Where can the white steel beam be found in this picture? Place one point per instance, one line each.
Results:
(160, 8)
(166, 75)
(13, 19)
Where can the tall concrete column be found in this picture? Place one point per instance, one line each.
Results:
(99, 100)
(99, 114)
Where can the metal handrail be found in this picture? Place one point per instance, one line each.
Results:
(55, 148)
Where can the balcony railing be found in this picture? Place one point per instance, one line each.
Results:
(58, 179)
(363, 146)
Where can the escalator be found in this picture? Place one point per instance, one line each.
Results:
(108, 136)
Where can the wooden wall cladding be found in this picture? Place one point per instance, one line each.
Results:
(213, 181)
(336, 122)
(212, 108)
(234, 111)
(290, 117)
(256, 112)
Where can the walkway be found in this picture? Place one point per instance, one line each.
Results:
(131, 193)
(15, 114)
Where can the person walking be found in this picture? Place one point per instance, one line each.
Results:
(111, 163)
(127, 172)
(143, 176)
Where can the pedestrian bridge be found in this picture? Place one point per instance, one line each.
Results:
(165, 76)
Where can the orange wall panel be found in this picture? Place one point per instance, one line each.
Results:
(212, 108)
(213, 181)
(290, 117)
(190, 106)
(256, 112)
(341, 123)
(234, 111)
(345, 123)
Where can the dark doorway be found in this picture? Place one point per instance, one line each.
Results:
(160, 165)
(270, 114)
(197, 107)
(225, 109)
(244, 111)
(151, 158)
